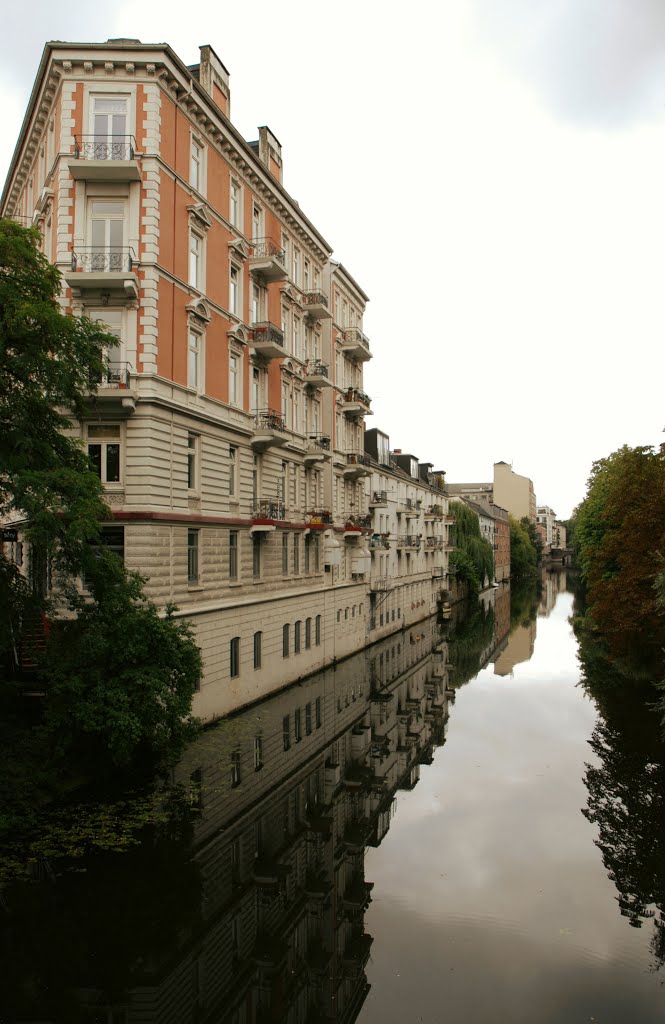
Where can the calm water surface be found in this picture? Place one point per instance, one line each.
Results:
(397, 839)
(491, 901)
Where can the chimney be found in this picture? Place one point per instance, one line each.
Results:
(214, 78)
(270, 152)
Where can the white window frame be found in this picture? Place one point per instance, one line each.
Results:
(195, 345)
(235, 378)
(103, 442)
(195, 260)
(235, 290)
(235, 208)
(197, 167)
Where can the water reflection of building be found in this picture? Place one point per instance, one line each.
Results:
(518, 648)
(553, 583)
(291, 792)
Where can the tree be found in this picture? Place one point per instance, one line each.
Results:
(119, 677)
(620, 536)
(523, 555)
(472, 558)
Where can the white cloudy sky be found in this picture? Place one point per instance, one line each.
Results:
(491, 171)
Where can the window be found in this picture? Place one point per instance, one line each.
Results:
(234, 657)
(296, 337)
(308, 633)
(297, 725)
(257, 222)
(317, 708)
(258, 751)
(235, 768)
(346, 613)
(233, 554)
(195, 259)
(296, 553)
(234, 204)
(192, 556)
(196, 165)
(317, 552)
(339, 614)
(296, 265)
(194, 361)
(109, 128)
(256, 469)
(285, 554)
(192, 457)
(107, 235)
(257, 305)
(317, 630)
(296, 637)
(286, 642)
(234, 379)
(234, 290)
(258, 643)
(233, 457)
(112, 321)
(308, 547)
(308, 719)
(286, 732)
(256, 556)
(104, 451)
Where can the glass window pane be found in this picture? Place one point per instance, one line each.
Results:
(112, 463)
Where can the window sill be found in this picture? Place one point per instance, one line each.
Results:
(194, 588)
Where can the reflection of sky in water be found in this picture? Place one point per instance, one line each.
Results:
(491, 901)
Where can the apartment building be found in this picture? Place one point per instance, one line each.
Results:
(228, 430)
(508, 490)
(409, 541)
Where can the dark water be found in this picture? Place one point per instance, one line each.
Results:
(408, 846)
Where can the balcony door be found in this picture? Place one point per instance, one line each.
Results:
(109, 128)
(107, 234)
(112, 322)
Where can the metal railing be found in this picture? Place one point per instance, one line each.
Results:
(104, 147)
(354, 336)
(315, 368)
(95, 260)
(267, 248)
(379, 498)
(115, 375)
(268, 419)
(364, 522)
(269, 509)
(409, 540)
(319, 441)
(358, 459)
(266, 331)
(435, 510)
(315, 298)
(356, 395)
(318, 516)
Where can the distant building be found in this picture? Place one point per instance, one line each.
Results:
(546, 517)
(508, 490)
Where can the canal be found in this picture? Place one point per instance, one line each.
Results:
(421, 833)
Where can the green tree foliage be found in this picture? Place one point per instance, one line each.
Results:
(470, 641)
(472, 558)
(620, 536)
(534, 537)
(523, 554)
(119, 678)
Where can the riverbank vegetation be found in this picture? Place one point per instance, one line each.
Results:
(472, 559)
(117, 676)
(525, 549)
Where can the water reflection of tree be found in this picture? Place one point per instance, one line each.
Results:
(470, 643)
(524, 598)
(626, 788)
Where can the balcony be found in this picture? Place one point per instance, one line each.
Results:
(356, 954)
(269, 430)
(355, 836)
(318, 450)
(379, 499)
(358, 895)
(381, 584)
(316, 305)
(355, 403)
(380, 542)
(434, 512)
(104, 158)
(267, 513)
(103, 270)
(355, 344)
(268, 340)
(450, 520)
(410, 508)
(358, 464)
(361, 737)
(409, 541)
(318, 518)
(268, 259)
(433, 543)
(316, 374)
(114, 388)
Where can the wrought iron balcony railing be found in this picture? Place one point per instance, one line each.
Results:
(316, 517)
(96, 260)
(315, 368)
(267, 248)
(269, 419)
(409, 540)
(104, 147)
(315, 299)
(364, 522)
(116, 375)
(356, 395)
(269, 509)
(379, 498)
(433, 542)
(354, 336)
(265, 331)
(320, 441)
(358, 459)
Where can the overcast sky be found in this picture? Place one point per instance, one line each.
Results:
(491, 172)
